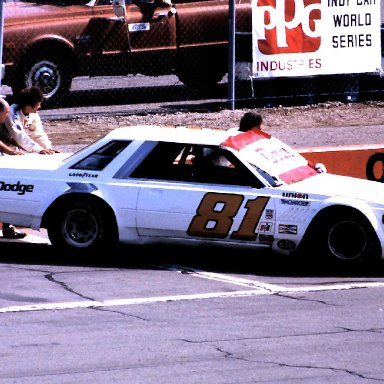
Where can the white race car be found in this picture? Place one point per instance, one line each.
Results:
(145, 184)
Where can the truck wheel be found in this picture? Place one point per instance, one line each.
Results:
(81, 227)
(202, 78)
(49, 73)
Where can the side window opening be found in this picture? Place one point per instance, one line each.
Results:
(195, 163)
(219, 166)
(99, 159)
(161, 163)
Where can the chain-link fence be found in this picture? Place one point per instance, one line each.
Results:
(106, 52)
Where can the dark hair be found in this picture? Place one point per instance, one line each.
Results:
(29, 96)
(249, 121)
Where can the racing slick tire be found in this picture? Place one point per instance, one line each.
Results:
(377, 157)
(348, 238)
(47, 72)
(82, 227)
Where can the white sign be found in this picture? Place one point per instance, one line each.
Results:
(314, 37)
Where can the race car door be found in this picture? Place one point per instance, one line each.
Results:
(189, 193)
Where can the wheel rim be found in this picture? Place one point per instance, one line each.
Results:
(347, 240)
(45, 75)
(80, 228)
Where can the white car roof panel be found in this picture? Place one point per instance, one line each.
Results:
(177, 134)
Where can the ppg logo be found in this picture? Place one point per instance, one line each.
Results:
(287, 26)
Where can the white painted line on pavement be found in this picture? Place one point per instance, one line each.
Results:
(223, 278)
(201, 296)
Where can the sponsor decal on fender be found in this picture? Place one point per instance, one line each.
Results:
(295, 202)
(296, 195)
(288, 228)
(265, 227)
(265, 239)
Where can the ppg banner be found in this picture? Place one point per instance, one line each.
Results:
(314, 37)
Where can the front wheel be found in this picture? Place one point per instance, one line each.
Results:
(348, 238)
(82, 227)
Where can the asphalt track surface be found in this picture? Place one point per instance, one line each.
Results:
(169, 315)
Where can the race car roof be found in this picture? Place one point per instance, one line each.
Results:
(177, 134)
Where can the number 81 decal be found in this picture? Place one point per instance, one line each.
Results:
(215, 214)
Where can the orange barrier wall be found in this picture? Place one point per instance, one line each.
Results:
(348, 161)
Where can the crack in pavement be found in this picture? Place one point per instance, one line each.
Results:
(327, 333)
(231, 355)
(50, 277)
(119, 313)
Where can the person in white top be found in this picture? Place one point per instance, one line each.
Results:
(24, 124)
(9, 231)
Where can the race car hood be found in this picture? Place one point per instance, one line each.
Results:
(334, 185)
(33, 161)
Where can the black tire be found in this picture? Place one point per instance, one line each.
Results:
(201, 77)
(347, 237)
(82, 227)
(375, 158)
(49, 73)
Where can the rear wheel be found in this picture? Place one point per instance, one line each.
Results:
(200, 78)
(49, 73)
(202, 71)
(82, 227)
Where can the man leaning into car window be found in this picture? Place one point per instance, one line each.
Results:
(9, 231)
(24, 124)
(250, 126)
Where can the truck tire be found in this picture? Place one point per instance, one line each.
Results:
(49, 73)
(200, 77)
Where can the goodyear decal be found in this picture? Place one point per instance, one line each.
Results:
(82, 174)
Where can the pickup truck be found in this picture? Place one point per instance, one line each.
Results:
(47, 42)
